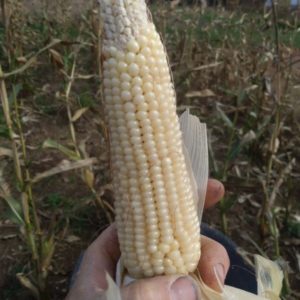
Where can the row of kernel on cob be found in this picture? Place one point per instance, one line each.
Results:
(158, 233)
(153, 171)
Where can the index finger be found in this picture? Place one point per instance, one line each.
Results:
(102, 256)
(215, 192)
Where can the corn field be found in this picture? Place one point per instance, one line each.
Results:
(237, 69)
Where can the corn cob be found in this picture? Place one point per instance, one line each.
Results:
(155, 205)
(156, 201)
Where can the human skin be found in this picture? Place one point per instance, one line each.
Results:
(103, 254)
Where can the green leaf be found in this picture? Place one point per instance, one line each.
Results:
(15, 208)
(15, 92)
(13, 204)
(235, 150)
(241, 97)
(224, 117)
(55, 145)
(264, 126)
(48, 247)
(294, 229)
(227, 203)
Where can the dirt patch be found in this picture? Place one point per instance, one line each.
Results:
(8, 247)
(75, 7)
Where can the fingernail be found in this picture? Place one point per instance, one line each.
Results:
(184, 288)
(220, 270)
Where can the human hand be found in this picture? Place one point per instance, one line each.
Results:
(103, 254)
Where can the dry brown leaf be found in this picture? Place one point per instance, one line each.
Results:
(28, 284)
(6, 152)
(79, 113)
(31, 61)
(89, 178)
(21, 59)
(85, 77)
(212, 65)
(174, 3)
(72, 238)
(64, 166)
(200, 94)
(56, 58)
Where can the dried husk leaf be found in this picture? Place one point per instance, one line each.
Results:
(64, 166)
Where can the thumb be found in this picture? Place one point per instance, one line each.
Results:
(214, 258)
(162, 288)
